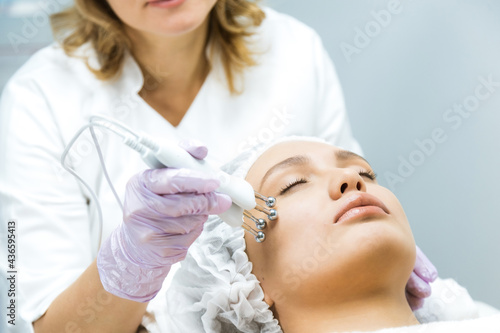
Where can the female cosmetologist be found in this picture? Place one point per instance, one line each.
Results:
(226, 72)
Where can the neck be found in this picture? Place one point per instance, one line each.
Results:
(367, 314)
(171, 63)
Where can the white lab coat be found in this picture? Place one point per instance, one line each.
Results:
(292, 90)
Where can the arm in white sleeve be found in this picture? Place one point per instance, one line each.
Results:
(53, 240)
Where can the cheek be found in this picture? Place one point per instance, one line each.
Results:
(395, 207)
(123, 9)
(284, 238)
(129, 12)
(299, 218)
(302, 234)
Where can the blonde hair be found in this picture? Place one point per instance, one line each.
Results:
(94, 21)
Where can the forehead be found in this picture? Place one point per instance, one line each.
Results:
(316, 151)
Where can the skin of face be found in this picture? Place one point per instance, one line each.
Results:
(307, 260)
(142, 17)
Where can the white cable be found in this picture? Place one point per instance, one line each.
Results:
(103, 165)
(84, 183)
(101, 160)
(107, 121)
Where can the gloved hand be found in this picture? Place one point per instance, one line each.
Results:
(164, 213)
(418, 287)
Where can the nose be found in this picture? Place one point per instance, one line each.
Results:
(344, 181)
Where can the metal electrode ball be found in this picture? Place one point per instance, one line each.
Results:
(273, 215)
(271, 201)
(260, 237)
(261, 224)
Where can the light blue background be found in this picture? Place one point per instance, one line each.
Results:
(397, 90)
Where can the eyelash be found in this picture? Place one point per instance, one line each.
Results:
(368, 174)
(292, 184)
(363, 173)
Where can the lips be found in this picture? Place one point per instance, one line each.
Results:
(165, 3)
(358, 205)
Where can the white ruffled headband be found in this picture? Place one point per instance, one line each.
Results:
(215, 290)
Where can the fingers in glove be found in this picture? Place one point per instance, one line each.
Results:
(166, 249)
(176, 246)
(424, 268)
(418, 287)
(157, 225)
(414, 302)
(147, 229)
(178, 205)
(180, 225)
(195, 148)
(172, 181)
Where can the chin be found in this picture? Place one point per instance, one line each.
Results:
(171, 30)
(384, 248)
(179, 24)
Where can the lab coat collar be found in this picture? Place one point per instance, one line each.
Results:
(131, 78)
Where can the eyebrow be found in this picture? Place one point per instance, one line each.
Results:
(296, 160)
(300, 160)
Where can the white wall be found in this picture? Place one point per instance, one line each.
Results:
(398, 88)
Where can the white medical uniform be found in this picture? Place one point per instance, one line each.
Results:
(292, 90)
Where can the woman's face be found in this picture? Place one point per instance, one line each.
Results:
(338, 236)
(163, 18)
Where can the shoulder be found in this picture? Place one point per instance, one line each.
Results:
(61, 81)
(284, 40)
(288, 50)
(50, 67)
(286, 25)
(287, 30)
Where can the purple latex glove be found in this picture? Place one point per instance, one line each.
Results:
(164, 213)
(418, 287)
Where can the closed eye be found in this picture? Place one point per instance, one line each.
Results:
(363, 173)
(292, 184)
(368, 174)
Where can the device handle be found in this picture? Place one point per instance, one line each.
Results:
(171, 155)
